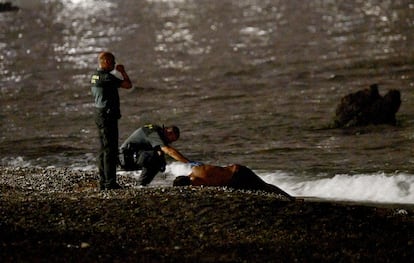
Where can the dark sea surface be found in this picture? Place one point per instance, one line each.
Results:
(253, 82)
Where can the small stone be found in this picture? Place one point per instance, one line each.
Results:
(85, 245)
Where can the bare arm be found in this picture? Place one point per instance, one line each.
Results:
(126, 83)
(174, 154)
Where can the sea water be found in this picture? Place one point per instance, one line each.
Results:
(249, 81)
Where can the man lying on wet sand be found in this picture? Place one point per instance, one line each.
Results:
(234, 176)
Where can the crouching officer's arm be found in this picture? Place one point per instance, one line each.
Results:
(174, 154)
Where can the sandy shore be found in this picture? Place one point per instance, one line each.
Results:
(57, 215)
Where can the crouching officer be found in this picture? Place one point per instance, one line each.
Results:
(145, 148)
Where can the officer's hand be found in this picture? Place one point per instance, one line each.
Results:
(194, 163)
(120, 68)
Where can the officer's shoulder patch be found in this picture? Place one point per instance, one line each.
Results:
(94, 78)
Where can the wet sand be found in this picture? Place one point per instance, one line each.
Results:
(57, 215)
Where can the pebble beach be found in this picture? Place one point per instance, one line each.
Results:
(58, 215)
(247, 81)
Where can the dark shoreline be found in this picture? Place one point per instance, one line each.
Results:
(57, 215)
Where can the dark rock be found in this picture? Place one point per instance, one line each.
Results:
(7, 7)
(366, 107)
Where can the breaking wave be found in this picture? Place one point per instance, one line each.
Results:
(374, 187)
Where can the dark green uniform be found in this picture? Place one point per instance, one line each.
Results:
(142, 150)
(105, 91)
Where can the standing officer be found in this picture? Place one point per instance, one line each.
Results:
(105, 91)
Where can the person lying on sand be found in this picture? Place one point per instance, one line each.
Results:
(234, 176)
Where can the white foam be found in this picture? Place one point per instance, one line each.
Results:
(376, 187)
(15, 161)
(177, 169)
(165, 178)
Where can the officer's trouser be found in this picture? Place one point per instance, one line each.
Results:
(108, 152)
(150, 162)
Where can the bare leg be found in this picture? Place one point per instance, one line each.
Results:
(244, 178)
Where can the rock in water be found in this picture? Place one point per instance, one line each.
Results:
(366, 107)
